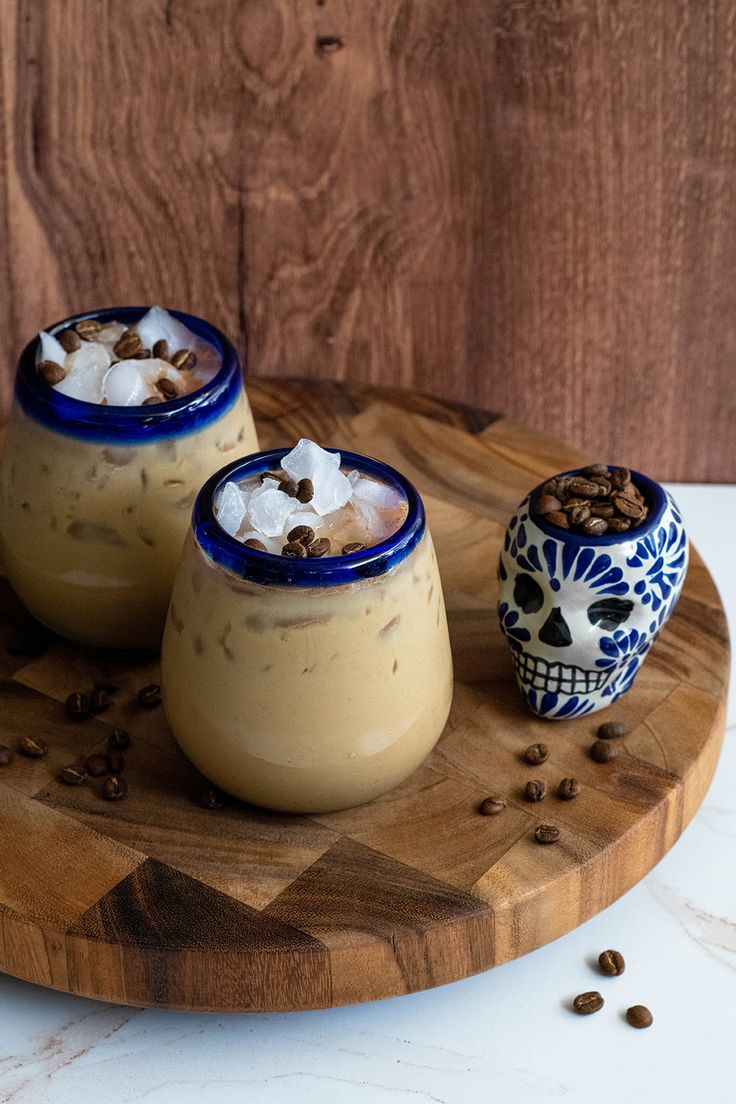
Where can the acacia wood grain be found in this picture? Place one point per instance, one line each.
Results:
(157, 901)
(523, 205)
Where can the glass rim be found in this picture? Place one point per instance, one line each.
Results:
(121, 424)
(269, 569)
(653, 492)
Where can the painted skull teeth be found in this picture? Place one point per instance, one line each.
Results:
(557, 678)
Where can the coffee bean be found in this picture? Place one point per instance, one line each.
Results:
(73, 775)
(612, 730)
(305, 490)
(302, 533)
(620, 478)
(535, 790)
(152, 400)
(150, 696)
(212, 798)
(639, 1016)
(6, 755)
(558, 518)
(289, 487)
(114, 788)
(184, 360)
(167, 387)
(611, 963)
(127, 345)
(142, 354)
(547, 504)
(78, 705)
(33, 746)
(161, 349)
(106, 685)
(603, 751)
(568, 789)
(604, 487)
(595, 526)
(579, 514)
(70, 341)
(88, 328)
(585, 488)
(628, 506)
(536, 754)
(618, 525)
(50, 371)
(99, 701)
(115, 762)
(259, 546)
(118, 739)
(550, 487)
(278, 476)
(294, 549)
(602, 510)
(319, 547)
(492, 806)
(352, 546)
(96, 765)
(546, 833)
(587, 1003)
(595, 469)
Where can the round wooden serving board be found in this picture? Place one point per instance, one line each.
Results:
(156, 900)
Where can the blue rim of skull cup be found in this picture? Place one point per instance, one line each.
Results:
(130, 424)
(654, 496)
(324, 571)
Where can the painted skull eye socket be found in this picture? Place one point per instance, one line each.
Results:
(609, 613)
(528, 594)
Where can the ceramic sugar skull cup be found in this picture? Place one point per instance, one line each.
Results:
(580, 612)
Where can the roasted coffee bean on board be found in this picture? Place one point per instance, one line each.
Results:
(492, 806)
(639, 1016)
(587, 1003)
(611, 963)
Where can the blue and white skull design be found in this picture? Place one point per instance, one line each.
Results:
(580, 614)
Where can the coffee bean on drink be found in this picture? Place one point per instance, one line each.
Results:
(585, 488)
(568, 789)
(594, 526)
(558, 518)
(118, 740)
(127, 345)
(88, 328)
(70, 341)
(150, 696)
(50, 371)
(612, 730)
(99, 701)
(302, 533)
(547, 504)
(96, 765)
(536, 754)
(352, 546)
(611, 963)
(78, 705)
(184, 360)
(33, 746)
(639, 1016)
(295, 549)
(73, 775)
(587, 1003)
(305, 490)
(602, 751)
(167, 387)
(257, 545)
(161, 349)
(6, 755)
(535, 790)
(212, 798)
(114, 788)
(492, 806)
(320, 547)
(546, 833)
(115, 762)
(289, 487)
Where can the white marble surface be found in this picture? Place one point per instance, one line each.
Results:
(505, 1037)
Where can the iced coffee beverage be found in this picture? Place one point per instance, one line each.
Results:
(306, 663)
(119, 417)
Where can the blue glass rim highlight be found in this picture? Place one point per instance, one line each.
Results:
(654, 494)
(130, 424)
(271, 570)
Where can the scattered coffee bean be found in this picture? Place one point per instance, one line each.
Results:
(536, 754)
(319, 547)
(603, 751)
(88, 328)
(546, 833)
(6, 755)
(184, 360)
(96, 765)
(295, 549)
(114, 787)
(612, 730)
(51, 372)
(305, 490)
(289, 487)
(212, 798)
(150, 696)
(558, 519)
(352, 546)
(302, 533)
(535, 790)
(78, 705)
(118, 740)
(167, 387)
(587, 1003)
(547, 504)
(492, 806)
(611, 963)
(70, 341)
(99, 701)
(161, 349)
(73, 775)
(568, 789)
(252, 542)
(115, 762)
(639, 1016)
(594, 526)
(33, 746)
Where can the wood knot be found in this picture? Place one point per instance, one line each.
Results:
(328, 44)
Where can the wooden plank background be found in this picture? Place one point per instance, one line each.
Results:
(524, 204)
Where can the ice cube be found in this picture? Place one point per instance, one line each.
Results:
(230, 508)
(158, 323)
(124, 384)
(110, 333)
(154, 369)
(86, 369)
(51, 349)
(377, 494)
(301, 517)
(273, 544)
(268, 511)
(307, 460)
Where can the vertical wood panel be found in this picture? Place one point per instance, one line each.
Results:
(521, 204)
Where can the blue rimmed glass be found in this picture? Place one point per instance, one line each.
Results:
(95, 500)
(307, 685)
(262, 567)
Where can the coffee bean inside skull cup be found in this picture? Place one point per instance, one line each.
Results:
(594, 501)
